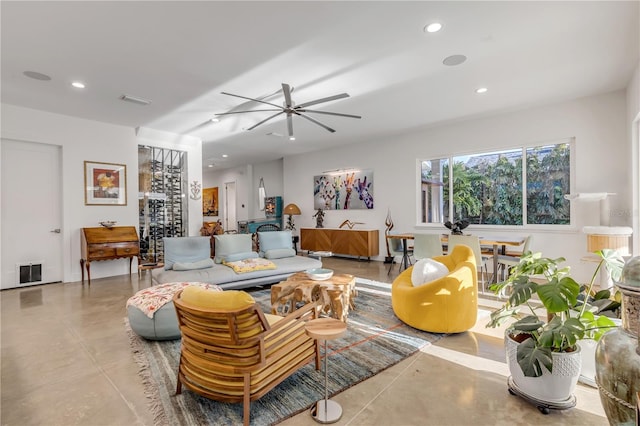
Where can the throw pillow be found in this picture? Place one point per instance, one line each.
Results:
(211, 299)
(189, 266)
(279, 253)
(185, 250)
(427, 270)
(231, 244)
(274, 240)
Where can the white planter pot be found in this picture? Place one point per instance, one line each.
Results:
(588, 370)
(556, 387)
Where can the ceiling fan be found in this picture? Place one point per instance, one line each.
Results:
(290, 109)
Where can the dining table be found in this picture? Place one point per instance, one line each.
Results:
(498, 244)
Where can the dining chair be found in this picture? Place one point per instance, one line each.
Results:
(426, 246)
(473, 241)
(396, 249)
(508, 261)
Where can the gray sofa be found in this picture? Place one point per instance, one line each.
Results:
(188, 259)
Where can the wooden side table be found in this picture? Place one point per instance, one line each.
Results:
(326, 410)
(149, 267)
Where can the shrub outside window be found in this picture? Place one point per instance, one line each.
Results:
(489, 188)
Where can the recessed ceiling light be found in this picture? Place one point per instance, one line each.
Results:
(37, 75)
(215, 120)
(292, 138)
(481, 90)
(224, 155)
(210, 165)
(433, 27)
(454, 60)
(78, 85)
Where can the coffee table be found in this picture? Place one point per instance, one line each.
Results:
(336, 294)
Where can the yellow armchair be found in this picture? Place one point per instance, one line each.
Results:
(446, 305)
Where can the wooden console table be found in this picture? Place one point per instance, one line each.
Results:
(107, 244)
(352, 242)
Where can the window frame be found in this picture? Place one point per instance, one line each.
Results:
(539, 227)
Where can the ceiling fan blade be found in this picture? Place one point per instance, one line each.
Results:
(251, 110)
(328, 113)
(315, 121)
(290, 126)
(251, 99)
(286, 90)
(327, 99)
(265, 120)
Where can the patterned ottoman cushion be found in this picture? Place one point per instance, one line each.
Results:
(151, 312)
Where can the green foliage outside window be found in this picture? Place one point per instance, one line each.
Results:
(488, 188)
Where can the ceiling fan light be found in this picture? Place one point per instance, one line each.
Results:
(292, 138)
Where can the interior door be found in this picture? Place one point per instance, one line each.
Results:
(31, 214)
(231, 222)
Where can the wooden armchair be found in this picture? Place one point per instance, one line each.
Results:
(232, 351)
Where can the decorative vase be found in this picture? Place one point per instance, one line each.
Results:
(618, 355)
(556, 387)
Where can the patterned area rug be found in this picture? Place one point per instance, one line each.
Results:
(375, 340)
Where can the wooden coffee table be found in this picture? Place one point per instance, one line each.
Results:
(337, 294)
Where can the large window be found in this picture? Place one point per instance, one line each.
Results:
(510, 187)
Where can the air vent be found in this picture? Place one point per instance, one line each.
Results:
(29, 272)
(135, 100)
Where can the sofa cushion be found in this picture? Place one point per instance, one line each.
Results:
(427, 270)
(211, 299)
(185, 250)
(279, 253)
(231, 244)
(189, 266)
(274, 240)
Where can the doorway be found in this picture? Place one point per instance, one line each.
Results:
(31, 214)
(231, 222)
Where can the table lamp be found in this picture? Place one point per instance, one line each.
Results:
(291, 210)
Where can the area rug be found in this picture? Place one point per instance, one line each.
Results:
(375, 340)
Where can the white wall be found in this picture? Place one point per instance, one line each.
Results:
(602, 151)
(94, 141)
(633, 127)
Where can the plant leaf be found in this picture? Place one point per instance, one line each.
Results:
(561, 336)
(528, 324)
(531, 358)
(501, 315)
(559, 296)
(522, 291)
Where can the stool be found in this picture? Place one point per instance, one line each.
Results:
(149, 267)
(151, 312)
(325, 410)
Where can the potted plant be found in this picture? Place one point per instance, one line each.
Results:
(535, 343)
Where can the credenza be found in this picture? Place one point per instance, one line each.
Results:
(351, 242)
(107, 244)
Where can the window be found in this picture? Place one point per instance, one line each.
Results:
(490, 188)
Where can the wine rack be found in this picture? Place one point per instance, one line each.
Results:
(162, 199)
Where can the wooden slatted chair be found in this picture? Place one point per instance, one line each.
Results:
(232, 351)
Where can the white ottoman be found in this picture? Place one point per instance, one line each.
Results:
(151, 312)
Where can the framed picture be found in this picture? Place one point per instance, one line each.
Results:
(210, 201)
(105, 184)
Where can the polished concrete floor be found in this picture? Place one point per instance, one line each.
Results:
(66, 360)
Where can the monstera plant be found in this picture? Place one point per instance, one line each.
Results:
(552, 310)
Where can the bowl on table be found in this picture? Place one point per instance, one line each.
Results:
(319, 274)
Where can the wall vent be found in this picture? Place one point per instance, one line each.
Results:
(30, 272)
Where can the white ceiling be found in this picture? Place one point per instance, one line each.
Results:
(181, 55)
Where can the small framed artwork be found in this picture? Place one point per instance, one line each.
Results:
(210, 201)
(105, 184)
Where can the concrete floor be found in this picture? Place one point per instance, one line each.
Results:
(66, 360)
